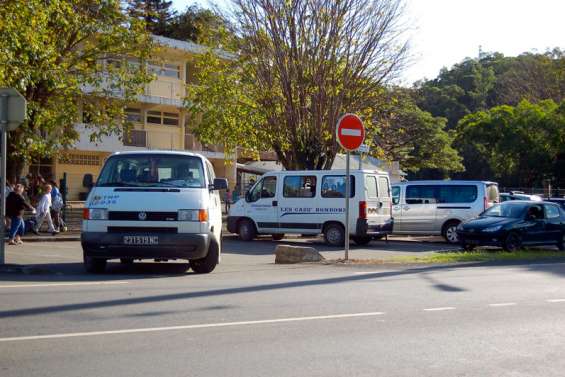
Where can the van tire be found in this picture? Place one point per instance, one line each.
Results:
(334, 234)
(246, 230)
(361, 241)
(277, 236)
(449, 231)
(93, 265)
(208, 263)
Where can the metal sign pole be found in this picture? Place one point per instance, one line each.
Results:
(3, 129)
(347, 195)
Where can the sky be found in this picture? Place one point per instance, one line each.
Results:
(444, 32)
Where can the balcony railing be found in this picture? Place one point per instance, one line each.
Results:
(136, 138)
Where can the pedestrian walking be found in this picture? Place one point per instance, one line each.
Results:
(15, 207)
(44, 211)
(57, 205)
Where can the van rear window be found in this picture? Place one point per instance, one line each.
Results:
(152, 170)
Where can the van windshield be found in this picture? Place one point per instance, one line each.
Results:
(152, 170)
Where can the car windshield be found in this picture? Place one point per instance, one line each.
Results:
(507, 209)
(152, 170)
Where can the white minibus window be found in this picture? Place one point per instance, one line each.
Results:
(299, 186)
(371, 185)
(333, 186)
(384, 191)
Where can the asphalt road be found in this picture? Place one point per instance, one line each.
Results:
(253, 318)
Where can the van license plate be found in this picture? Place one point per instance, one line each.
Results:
(141, 240)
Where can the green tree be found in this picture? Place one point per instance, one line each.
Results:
(301, 65)
(520, 145)
(413, 137)
(156, 14)
(56, 54)
(200, 25)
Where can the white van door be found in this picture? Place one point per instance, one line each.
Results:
(397, 208)
(385, 199)
(297, 205)
(215, 203)
(263, 205)
(419, 209)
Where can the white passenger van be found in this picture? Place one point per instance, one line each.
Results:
(438, 207)
(154, 205)
(313, 202)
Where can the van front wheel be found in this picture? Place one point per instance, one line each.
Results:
(246, 230)
(208, 263)
(334, 234)
(94, 265)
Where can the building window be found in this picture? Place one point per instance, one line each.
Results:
(80, 159)
(162, 118)
(166, 70)
(133, 115)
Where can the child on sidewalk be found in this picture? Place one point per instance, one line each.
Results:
(44, 211)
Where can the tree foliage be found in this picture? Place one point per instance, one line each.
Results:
(413, 137)
(519, 146)
(303, 64)
(157, 15)
(53, 53)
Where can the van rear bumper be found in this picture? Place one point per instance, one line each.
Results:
(169, 246)
(366, 229)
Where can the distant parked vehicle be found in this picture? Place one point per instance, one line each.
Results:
(438, 207)
(519, 195)
(514, 224)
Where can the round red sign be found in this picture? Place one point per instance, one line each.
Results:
(350, 132)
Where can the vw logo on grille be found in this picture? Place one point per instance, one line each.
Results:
(142, 216)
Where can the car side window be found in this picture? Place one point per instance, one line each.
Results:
(269, 188)
(420, 195)
(395, 195)
(535, 213)
(255, 193)
(299, 186)
(551, 211)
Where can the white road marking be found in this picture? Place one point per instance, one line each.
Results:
(502, 304)
(191, 327)
(63, 284)
(556, 300)
(350, 132)
(439, 309)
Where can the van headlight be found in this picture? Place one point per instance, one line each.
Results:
(95, 214)
(193, 215)
(492, 229)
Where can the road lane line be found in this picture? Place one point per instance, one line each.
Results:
(63, 284)
(556, 300)
(502, 304)
(191, 327)
(439, 309)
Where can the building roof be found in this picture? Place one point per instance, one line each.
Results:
(191, 47)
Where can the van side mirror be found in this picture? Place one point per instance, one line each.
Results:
(219, 184)
(248, 196)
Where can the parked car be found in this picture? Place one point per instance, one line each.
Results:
(313, 202)
(438, 207)
(519, 195)
(514, 224)
(154, 205)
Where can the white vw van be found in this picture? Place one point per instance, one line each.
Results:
(154, 205)
(313, 202)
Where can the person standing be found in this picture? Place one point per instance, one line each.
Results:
(44, 211)
(56, 206)
(228, 200)
(15, 207)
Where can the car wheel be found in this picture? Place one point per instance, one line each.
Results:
(334, 234)
(246, 230)
(561, 244)
(450, 232)
(278, 236)
(208, 263)
(126, 260)
(93, 265)
(361, 241)
(512, 242)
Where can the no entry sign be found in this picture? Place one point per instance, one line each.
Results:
(350, 132)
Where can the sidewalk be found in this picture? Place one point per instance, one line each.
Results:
(47, 237)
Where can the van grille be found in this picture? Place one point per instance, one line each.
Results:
(141, 229)
(135, 216)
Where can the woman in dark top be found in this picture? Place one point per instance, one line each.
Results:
(15, 207)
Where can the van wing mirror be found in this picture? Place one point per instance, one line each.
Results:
(219, 184)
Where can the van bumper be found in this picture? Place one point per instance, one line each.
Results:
(169, 246)
(366, 229)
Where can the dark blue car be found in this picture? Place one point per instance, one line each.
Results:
(514, 224)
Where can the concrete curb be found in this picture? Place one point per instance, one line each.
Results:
(50, 238)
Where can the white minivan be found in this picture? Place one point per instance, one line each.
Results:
(154, 205)
(313, 202)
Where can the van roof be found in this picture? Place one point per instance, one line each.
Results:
(177, 153)
(444, 182)
(326, 172)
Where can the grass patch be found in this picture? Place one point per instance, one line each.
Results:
(480, 255)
